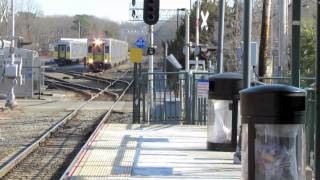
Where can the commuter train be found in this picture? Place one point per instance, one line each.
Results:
(105, 53)
(70, 51)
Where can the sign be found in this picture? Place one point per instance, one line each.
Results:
(136, 55)
(197, 50)
(202, 88)
(151, 51)
(140, 43)
(204, 17)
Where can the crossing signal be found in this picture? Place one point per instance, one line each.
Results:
(151, 11)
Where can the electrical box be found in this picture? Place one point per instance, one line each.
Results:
(31, 72)
(11, 71)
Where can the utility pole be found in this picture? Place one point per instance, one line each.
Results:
(221, 36)
(265, 29)
(187, 41)
(283, 33)
(197, 31)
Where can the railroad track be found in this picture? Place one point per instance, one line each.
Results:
(85, 90)
(48, 156)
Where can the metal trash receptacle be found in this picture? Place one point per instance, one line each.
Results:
(223, 110)
(273, 139)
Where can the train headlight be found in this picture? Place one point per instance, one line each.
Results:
(97, 42)
(106, 61)
(90, 61)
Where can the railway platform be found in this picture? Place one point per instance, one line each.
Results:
(125, 151)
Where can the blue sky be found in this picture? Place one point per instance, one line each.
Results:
(116, 10)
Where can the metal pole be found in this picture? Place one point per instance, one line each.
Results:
(177, 32)
(187, 41)
(246, 43)
(79, 28)
(197, 30)
(296, 16)
(221, 35)
(317, 140)
(135, 99)
(246, 82)
(151, 31)
(283, 55)
(11, 102)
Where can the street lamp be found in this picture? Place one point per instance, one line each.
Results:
(79, 26)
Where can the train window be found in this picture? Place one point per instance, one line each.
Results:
(98, 49)
(107, 49)
(56, 48)
(90, 49)
(68, 49)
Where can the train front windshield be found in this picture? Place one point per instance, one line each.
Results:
(62, 51)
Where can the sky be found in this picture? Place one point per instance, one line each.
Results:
(116, 10)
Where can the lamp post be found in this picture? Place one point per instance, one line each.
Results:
(79, 27)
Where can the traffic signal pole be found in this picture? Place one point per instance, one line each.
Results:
(151, 58)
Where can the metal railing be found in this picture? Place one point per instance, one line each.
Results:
(167, 103)
(175, 98)
(199, 101)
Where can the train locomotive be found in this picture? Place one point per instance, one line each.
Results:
(70, 51)
(105, 53)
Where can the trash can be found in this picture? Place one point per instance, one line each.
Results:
(273, 139)
(223, 111)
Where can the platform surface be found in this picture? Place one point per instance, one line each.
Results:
(122, 151)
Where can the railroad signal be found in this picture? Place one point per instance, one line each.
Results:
(151, 51)
(151, 11)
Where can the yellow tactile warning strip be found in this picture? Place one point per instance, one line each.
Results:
(130, 152)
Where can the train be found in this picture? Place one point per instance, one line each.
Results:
(70, 51)
(105, 53)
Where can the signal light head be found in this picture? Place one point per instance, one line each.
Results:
(151, 11)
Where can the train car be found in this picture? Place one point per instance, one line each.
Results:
(106, 53)
(70, 51)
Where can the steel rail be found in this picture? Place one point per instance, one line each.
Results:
(10, 164)
(67, 83)
(68, 87)
(78, 74)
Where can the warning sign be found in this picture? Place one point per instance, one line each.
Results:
(136, 55)
(202, 88)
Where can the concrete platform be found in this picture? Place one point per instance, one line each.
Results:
(122, 151)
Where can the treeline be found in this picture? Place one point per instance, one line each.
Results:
(42, 30)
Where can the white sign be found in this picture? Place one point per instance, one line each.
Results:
(4, 12)
(202, 88)
(204, 17)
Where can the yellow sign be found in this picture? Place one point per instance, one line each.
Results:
(136, 55)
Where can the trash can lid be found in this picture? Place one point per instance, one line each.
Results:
(225, 86)
(273, 104)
